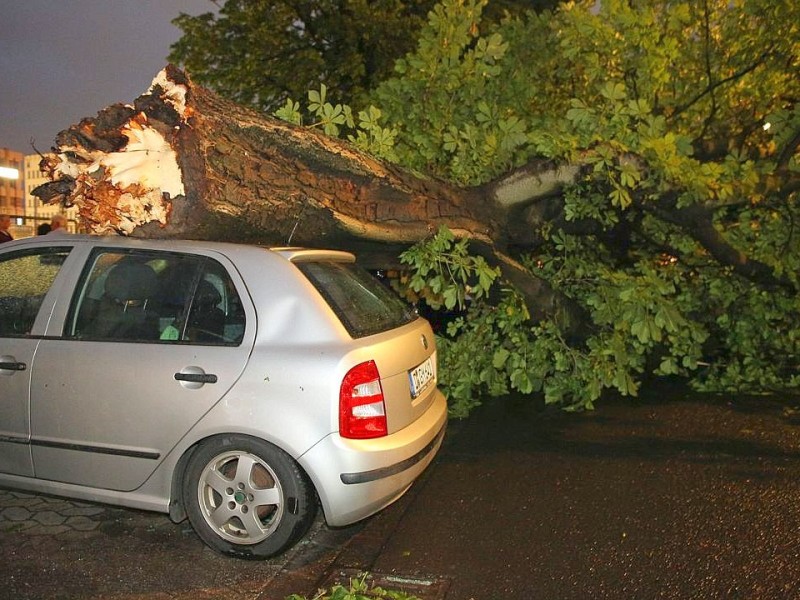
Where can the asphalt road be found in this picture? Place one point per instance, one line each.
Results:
(668, 498)
(672, 496)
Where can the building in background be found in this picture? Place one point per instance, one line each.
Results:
(12, 191)
(36, 212)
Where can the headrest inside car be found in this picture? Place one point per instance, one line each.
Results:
(129, 281)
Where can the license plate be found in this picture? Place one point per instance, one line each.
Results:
(421, 377)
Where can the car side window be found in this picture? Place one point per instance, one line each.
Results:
(216, 315)
(25, 278)
(156, 297)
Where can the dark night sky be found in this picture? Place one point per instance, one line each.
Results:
(62, 60)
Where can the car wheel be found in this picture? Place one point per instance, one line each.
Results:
(247, 498)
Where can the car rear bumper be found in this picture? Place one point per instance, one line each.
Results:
(383, 472)
(357, 478)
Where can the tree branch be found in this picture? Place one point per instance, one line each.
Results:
(697, 222)
(713, 86)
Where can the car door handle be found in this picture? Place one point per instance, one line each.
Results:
(13, 366)
(196, 377)
(9, 362)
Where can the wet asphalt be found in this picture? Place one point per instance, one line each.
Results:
(674, 495)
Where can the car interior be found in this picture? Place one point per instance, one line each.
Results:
(147, 298)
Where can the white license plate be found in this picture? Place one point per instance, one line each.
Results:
(421, 377)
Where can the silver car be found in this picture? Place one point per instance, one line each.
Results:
(235, 385)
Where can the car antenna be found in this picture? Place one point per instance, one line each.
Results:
(289, 240)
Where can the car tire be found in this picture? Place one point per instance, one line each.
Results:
(246, 497)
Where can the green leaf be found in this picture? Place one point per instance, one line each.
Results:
(614, 91)
(500, 357)
(290, 112)
(316, 99)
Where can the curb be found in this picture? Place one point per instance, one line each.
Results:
(335, 556)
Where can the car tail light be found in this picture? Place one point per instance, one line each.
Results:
(362, 412)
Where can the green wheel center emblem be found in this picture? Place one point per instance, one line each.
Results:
(239, 497)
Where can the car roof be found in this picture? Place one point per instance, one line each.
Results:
(292, 254)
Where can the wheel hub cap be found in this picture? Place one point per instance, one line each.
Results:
(240, 497)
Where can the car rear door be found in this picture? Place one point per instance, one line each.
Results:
(111, 396)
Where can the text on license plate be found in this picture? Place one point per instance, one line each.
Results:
(421, 377)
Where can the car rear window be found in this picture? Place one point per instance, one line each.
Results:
(363, 304)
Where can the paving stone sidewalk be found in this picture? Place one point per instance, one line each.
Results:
(39, 515)
(63, 549)
(57, 549)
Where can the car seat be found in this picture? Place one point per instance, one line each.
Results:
(125, 310)
(206, 320)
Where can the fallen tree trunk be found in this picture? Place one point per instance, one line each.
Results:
(184, 162)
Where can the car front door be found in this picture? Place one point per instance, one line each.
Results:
(26, 278)
(129, 374)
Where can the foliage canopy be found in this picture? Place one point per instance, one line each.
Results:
(260, 53)
(680, 241)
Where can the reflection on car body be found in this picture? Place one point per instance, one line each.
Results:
(237, 385)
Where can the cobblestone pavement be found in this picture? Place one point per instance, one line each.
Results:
(38, 515)
(52, 548)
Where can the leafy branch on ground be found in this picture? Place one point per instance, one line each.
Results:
(359, 588)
